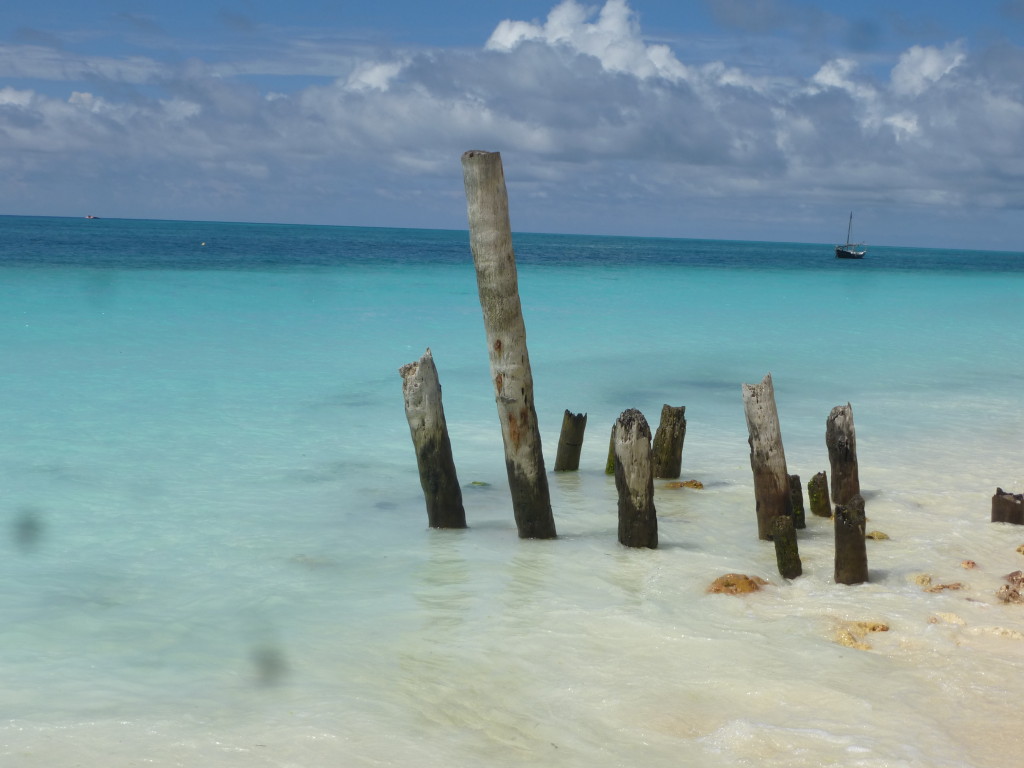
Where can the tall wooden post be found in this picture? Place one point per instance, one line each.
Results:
(841, 440)
(668, 442)
(422, 390)
(851, 549)
(634, 480)
(767, 458)
(490, 237)
(570, 441)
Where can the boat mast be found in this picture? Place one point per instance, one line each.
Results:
(849, 229)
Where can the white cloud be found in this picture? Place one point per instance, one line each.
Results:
(922, 66)
(374, 76)
(904, 125)
(613, 38)
(15, 98)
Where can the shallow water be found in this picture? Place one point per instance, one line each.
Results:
(218, 552)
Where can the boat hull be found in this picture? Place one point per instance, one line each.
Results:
(848, 253)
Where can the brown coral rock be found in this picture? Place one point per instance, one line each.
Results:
(685, 484)
(736, 584)
(1010, 593)
(968, 564)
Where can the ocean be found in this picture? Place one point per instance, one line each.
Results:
(214, 546)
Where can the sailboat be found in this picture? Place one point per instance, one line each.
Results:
(850, 250)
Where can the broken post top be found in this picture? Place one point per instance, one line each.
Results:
(839, 426)
(422, 391)
(632, 421)
(410, 369)
(760, 390)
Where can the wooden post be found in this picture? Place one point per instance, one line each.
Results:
(817, 495)
(851, 550)
(609, 465)
(490, 236)
(668, 442)
(634, 480)
(787, 554)
(841, 440)
(1008, 507)
(570, 441)
(796, 497)
(422, 391)
(767, 458)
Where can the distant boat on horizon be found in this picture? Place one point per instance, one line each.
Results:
(90, 216)
(850, 250)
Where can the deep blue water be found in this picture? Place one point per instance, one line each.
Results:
(138, 244)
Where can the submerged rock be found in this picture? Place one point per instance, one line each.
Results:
(685, 484)
(736, 584)
(1008, 594)
(925, 580)
(852, 633)
(1009, 634)
(877, 536)
(940, 587)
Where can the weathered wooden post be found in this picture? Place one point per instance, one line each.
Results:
(422, 391)
(851, 550)
(1007, 507)
(817, 495)
(609, 465)
(841, 440)
(668, 442)
(767, 458)
(787, 555)
(796, 498)
(490, 237)
(570, 441)
(634, 480)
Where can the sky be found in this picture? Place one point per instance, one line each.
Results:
(727, 119)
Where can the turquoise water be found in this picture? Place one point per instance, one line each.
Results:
(218, 552)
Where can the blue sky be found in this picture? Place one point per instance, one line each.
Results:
(745, 119)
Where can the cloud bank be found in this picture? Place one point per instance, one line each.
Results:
(600, 129)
